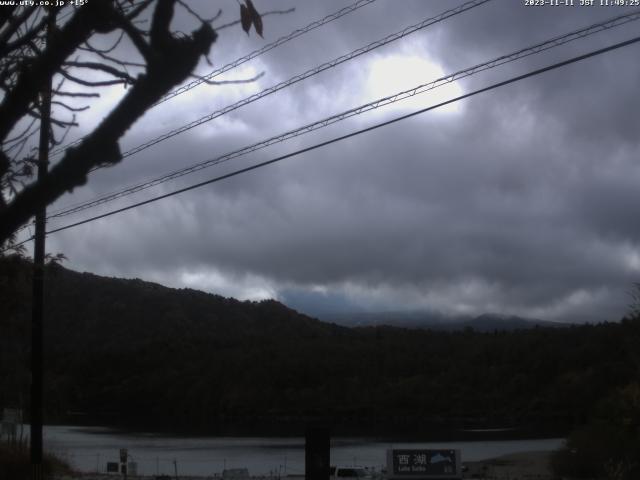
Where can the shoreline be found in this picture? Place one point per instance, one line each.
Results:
(534, 465)
(530, 465)
(436, 433)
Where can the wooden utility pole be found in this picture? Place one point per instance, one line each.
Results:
(316, 453)
(37, 341)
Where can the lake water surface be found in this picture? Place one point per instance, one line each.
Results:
(89, 448)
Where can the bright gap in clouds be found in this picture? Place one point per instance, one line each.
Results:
(243, 287)
(395, 73)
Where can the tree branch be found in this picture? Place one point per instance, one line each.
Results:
(171, 60)
(29, 36)
(88, 83)
(228, 82)
(30, 80)
(14, 23)
(62, 93)
(69, 107)
(102, 67)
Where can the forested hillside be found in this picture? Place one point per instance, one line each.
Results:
(137, 354)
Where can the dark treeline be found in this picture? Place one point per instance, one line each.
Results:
(137, 354)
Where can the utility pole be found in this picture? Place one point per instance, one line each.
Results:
(317, 453)
(37, 341)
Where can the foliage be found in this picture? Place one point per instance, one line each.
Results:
(608, 446)
(134, 353)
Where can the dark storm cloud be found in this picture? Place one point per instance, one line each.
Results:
(523, 201)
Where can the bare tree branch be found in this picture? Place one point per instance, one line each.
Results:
(197, 16)
(102, 67)
(136, 37)
(14, 23)
(90, 83)
(29, 82)
(169, 61)
(76, 94)
(19, 135)
(31, 34)
(138, 9)
(69, 107)
(228, 82)
(59, 123)
(123, 63)
(93, 49)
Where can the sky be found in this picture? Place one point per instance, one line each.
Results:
(519, 201)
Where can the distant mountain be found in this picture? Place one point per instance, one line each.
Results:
(137, 354)
(487, 322)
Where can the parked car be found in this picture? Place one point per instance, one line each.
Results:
(345, 473)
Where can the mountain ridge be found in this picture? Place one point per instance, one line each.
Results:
(485, 322)
(136, 354)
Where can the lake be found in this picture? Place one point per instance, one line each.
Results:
(89, 448)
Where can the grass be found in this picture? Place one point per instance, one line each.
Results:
(15, 463)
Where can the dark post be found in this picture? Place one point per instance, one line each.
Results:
(37, 342)
(316, 453)
(124, 456)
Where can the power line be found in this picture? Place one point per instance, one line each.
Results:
(388, 39)
(537, 48)
(282, 40)
(309, 73)
(303, 76)
(250, 56)
(344, 137)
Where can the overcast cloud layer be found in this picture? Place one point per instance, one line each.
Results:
(519, 201)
